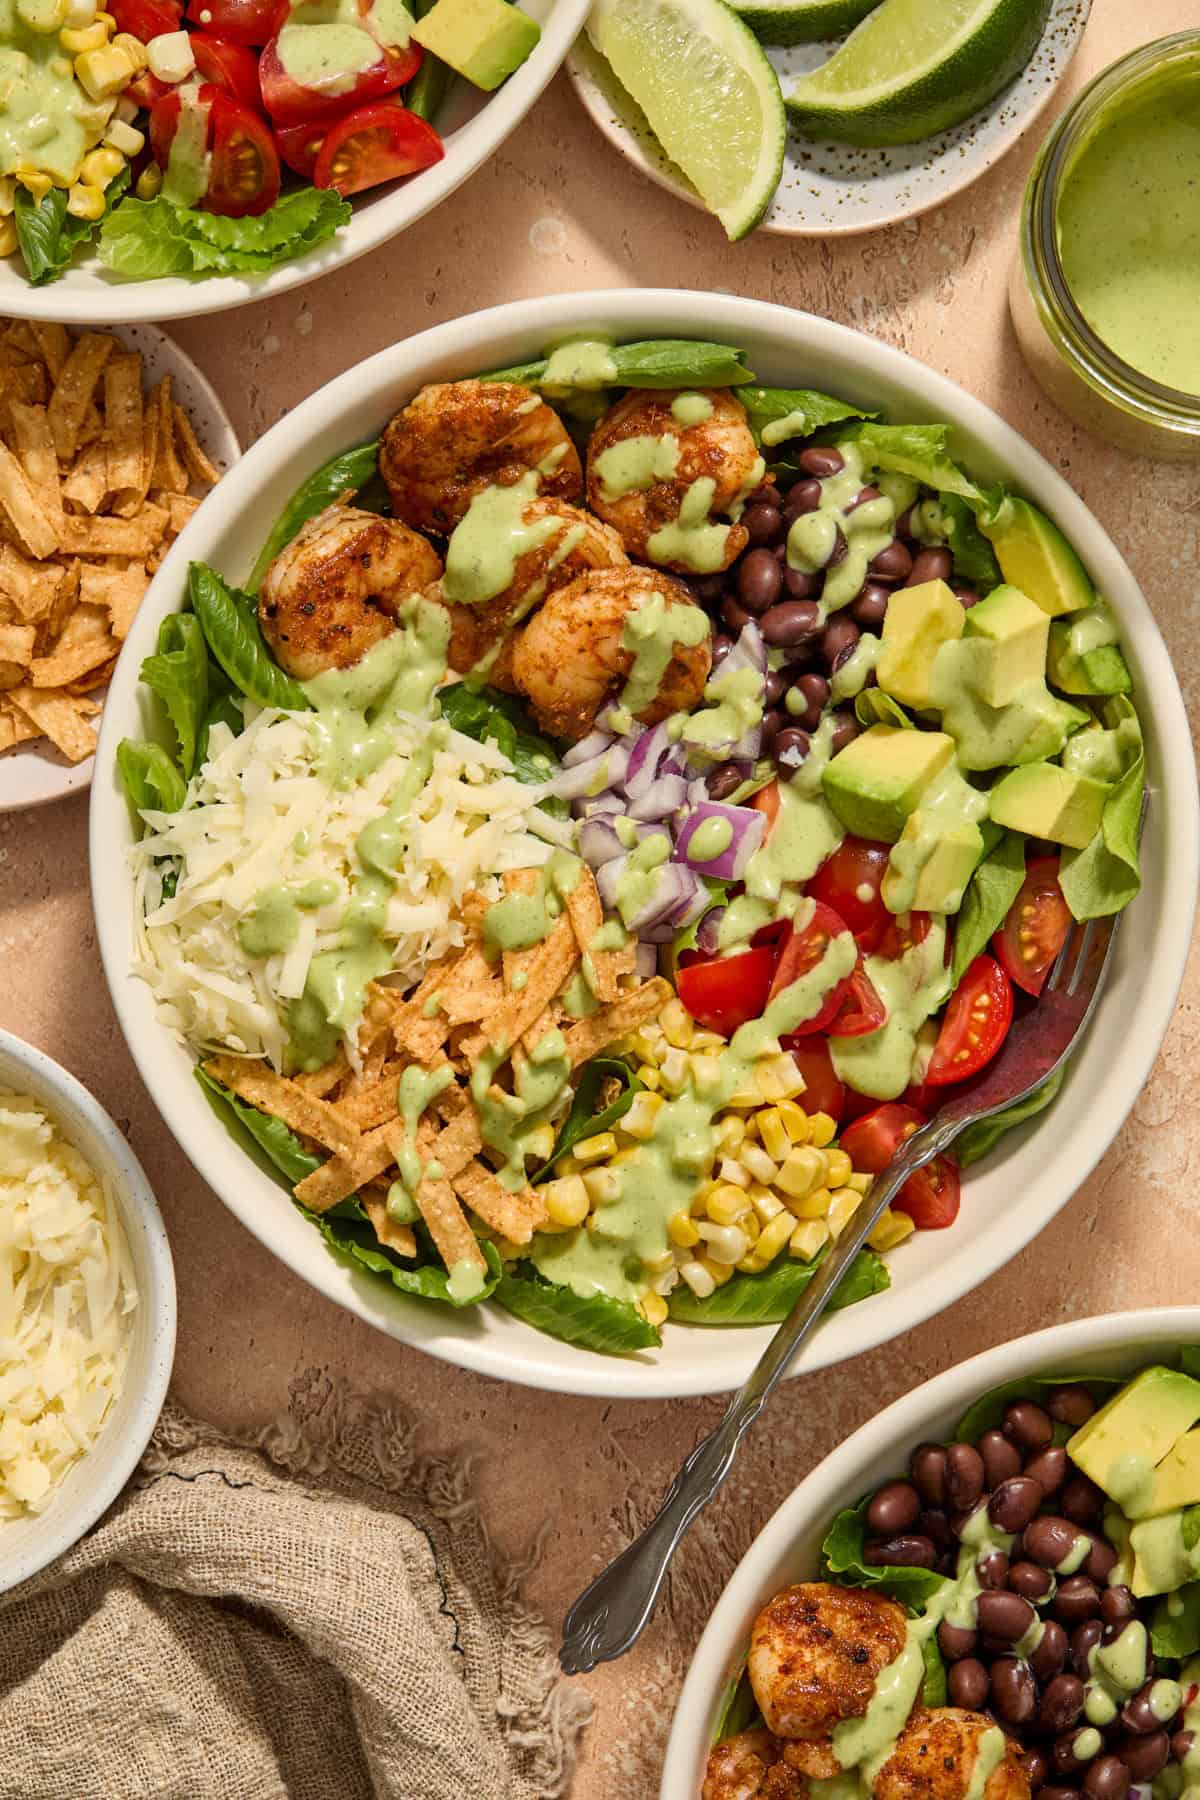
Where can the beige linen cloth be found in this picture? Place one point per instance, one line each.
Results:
(317, 1614)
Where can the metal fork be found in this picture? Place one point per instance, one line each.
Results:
(611, 1614)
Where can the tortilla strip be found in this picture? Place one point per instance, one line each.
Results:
(74, 390)
(471, 990)
(61, 718)
(260, 1086)
(69, 662)
(29, 521)
(115, 537)
(410, 1026)
(123, 420)
(97, 677)
(587, 917)
(120, 590)
(28, 383)
(181, 509)
(514, 1215)
(399, 1238)
(551, 963)
(376, 1102)
(448, 1227)
(587, 1038)
(343, 1175)
(199, 466)
(53, 345)
(54, 620)
(321, 1082)
(168, 472)
(16, 644)
(15, 728)
(35, 447)
(87, 484)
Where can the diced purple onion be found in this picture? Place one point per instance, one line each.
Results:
(644, 759)
(750, 652)
(607, 721)
(709, 930)
(672, 893)
(747, 825)
(646, 961)
(657, 934)
(598, 842)
(608, 881)
(600, 806)
(692, 908)
(586, 748)
(665, 794)
(591, 777)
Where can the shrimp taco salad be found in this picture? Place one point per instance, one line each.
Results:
(616, 804)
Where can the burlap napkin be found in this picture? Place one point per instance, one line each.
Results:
(318, 1613)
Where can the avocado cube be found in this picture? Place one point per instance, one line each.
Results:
(484, 40)
(931, 864)
(1161, 1560)
(1035, 556)
(1121, 1445)
(919, 620)
(1015, 632)
(878, 779)
(1083, 657)
(1176, 1480)
(1046, 801)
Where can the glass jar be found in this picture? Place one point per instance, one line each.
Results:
(1088, 377)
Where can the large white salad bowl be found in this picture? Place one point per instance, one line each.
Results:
(787, 1549)
(1009, 1198)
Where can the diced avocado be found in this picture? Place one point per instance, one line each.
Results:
(1176, 1480)
(1083, 657)
(1032, 726)
(931, 864)
(877, 780)
(1035, 556)
(1161, 1560)
(1016, 632)
(485, 40)
(919, 620)
(1045, 801)
(1121, 1444)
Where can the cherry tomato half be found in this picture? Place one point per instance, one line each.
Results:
(767, 801)
(860, 1009)
(823, 1092)
(300, 145)
(291, 102)
(902, 932)
(801, 953)
(146, 90)
(375, 143)
(244, 174)
(843, 881)
(1036, 927)
(251, 22)
(930, 1197)
(727, 991)
(976, 1024)
(231, 66)
(146, 19)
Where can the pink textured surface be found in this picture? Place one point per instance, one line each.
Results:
(558, 209)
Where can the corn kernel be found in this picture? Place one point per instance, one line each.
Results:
(751, 1265)
(726, 1203)
(75, 40)
(843, 1204)
(507, 1251)
(682, 1231)
(838, 1167)
(539, 1143)
(723, 1243)
(765, 1205)
(674, 1070)
(123, 137)
(698, 1279)
(802, 1171)
(596, 1149)
(767, 1082)
(773, 1237)
(773, 1132)
(624, 1158)
(755, 1158)
(808, 1237)
(788, 1077)
(126, 110)
(821, 1129)
(679, 1028)
(731, 1133)
(567, 1201)
(890, 1230)
(648, 1042)
(34, 181)
(707, 1040)
(84, 202)
(603, 1185)
(729, 1169)
(749, 1223)
(79, 14)
(642, 1117)
(100, 166)
(133, 48)
(860, 1183)
(795, 1121)
(8, 195)
(660, 1264)
(8, 235)
(720, 1272)
(706, 1073)
(746, 1094)
(649, 1076)
(103, 73)
(654, 1308)
(171, 56)
(813, 1205)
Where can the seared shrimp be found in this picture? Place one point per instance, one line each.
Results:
(458, 437)
(935, 1759)
(643, 500)
(815, 1653)
(747, 1767)
(336, 590)
(573, 543)
(569, 659)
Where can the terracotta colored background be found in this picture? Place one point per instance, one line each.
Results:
(558, 209)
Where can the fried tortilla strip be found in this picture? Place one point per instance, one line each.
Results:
(53, 621)
(87, 484)
(412, 1014)
(16, 644)
(343, 1175)
(587, 917)
(471, 990)
(33, 528)
(30, 586)
(60, 717)
(120, 590)
(74, 391)
(29, 382)
(589, 1036)
(123, 422)
(181, 509)
(35, 447)
(473, 908)
(459, 1142)
(198, 465)
(87, 684)
(53, 344)
(321, 1082)
(514, 1215)
(448, 1227)
(115, 537)
(377, 1102)
(550, 966)
(260, 1086)
(541, 1025)
(168, 471)
(15, 728)
(399, 1238)
(85, 644)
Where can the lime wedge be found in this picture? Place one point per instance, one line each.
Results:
(916, 67)
(711, 97)
(801, 21)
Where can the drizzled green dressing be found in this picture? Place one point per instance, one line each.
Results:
(185, 178)
(693, 539)
(326, 44)
(733, 705)
(635, 463)
(691, 409)
(521, 920)
(417, 1090)
(912, 987)
(505, 1120)
(650, 633)
(580, 363)
(272, 925)
(805, 832)
(867, 529)
(481, 556)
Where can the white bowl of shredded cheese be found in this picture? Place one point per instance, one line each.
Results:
(87, 1310)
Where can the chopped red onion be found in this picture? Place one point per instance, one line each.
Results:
(585, 779)
(646, 961)
(586, 748)
(608, 881)
(598, 842)
(708, 934)
(663, 796)
(747, 825)
(644, 759)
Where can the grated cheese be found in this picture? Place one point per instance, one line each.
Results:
(66, 1291)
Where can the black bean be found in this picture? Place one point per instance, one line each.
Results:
(1036, 1769)
(839, 639)
(1014, 1691)
(863, 497)
(967, 1684)
(1117, 1604)
(813, 689)
(708, 589)
(1084, 1639)
(1014, 1503)
(893, 563)
(1145, 1757)
(1081, 1501)
(1062, 1753)
(759, 580)
(1137, 1715)
(1051, 1653)
(1003, 1614)
(1107, 1779)
(1048, 1468)
(792, 746)
(934, 1524)
(932, 565)
(1032, 1583)
(724, 780)
(956, 1641)
(791, 622)
(928, 1469)
(1102, 1560)
(1062, 1703)
(966, 597)
(1028, 1425)
(1077, 1599)
(964, 1468)
(763, 523)
(798, 584)
(903, 1552)
(803, 497)
(845, 729)
(721, 646)
(840, 547)
(1001, 1458)
(1181, 1744)
(821, 460)
(1050, 1540)
(734, 614)
(1071, 1405)
(992, 1569)
(773, 723)
(904, 524)
(870, 609)
(766, 494)
(774, 687)
(1055, 1790)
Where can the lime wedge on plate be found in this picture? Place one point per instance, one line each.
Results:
(711, 97)
(916, 67)
(801, 21)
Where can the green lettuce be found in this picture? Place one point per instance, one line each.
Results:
(276, 1141)
(656, 363)
(987, 1413)
(986, 904)
(768, 1298)
(740, 1710)
(584, 1119)
(974, 558)
(178, 674)
(809, 410)
(230, 628)
(482, 713)
(1105, 875)
(48, 235)
(590, 1322)
(979, 1140)
(1175, 1623)
(351, 470)
(352, 1238)
(143, 239)
(842, 1556)
(919, 451)
(151, 781)
(874, 707)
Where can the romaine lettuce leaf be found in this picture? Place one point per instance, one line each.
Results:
(990, 893)
(767, 1298)
(1104, 876)
(227, 619)
(483, 713)
(143, 239)
(804, 409)
(276, 1141)
(594, 1322)
(1175, 1623)
(583, 1120)
(151, 781)
(178, 674)
(979, 1140)
(920, 451)
(655, 363)
(987, 1413)
(353, 1239)
(48, 235)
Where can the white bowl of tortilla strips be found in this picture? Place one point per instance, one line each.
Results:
(107, 440)
(447, 793)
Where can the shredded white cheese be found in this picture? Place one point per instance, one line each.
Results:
(66, 1291)
(260, 813)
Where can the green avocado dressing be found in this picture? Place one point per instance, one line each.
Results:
(482, 554)
(580, 363)
(521, 920)
(912, 987)
(711, 838)
(733, 705)
(355, 708)
(634, 464)
(867, 530)
(693, 539)
(650, 633)
(1028, 727)
(47, 120)
(417, 1090)
(691, 409)
(185, 178)
(326, 44)
(804, 833)
(506, 1120)
(272, 925)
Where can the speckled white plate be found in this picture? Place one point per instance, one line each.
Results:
(834, 189)
(34, 773)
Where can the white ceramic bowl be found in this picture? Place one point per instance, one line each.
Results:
(1008, 1200)
(473, 124)
(28, 1544)
(787, 1548)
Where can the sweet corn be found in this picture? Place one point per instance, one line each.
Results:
(679, 1028)
(100, 166)
(698, 1279)
(706, 1073)
(103, 73)
(623, 1158)
(674, 1070)
(603, 1185)
(171, 56)
(660, 1264)
(860, 1183)
(729, 1169)
(720, 1272)
(802, 1171)
(808, 1237)
(8, 235)
(539, 1143)
(642, 1118)
(749, 1223)
(566, 1201)
(682, 1231)
(84, 202)
(765, 1205)
(795, 1121)
(149, 183)
(787, 1076)
(821, 1129)
(813, 1205)
(126, 110)
(508, 1251)
(890, 1230)
(752, 1265)
(34, 181)
(8, 195)
(595, 1149)
(125, 138)
(649, 1077)
(843, 1204)
(723, 1243)
(773, 1237)
(654, 1308)
(838, 1168)
(726, 1203)
(647, 1042)
(755, 1158)
(76, 39)
(133, 47)
(79, 14)
(773, 1132)
(731, 1133)
(707, 1040)
(45, 19)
